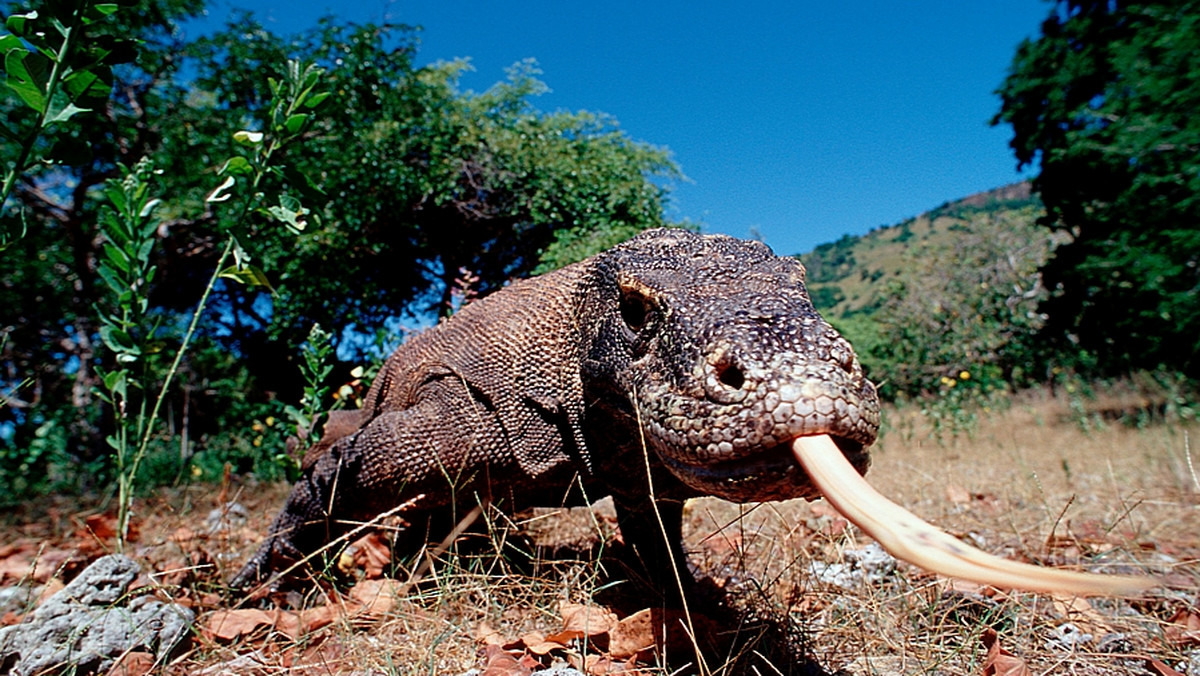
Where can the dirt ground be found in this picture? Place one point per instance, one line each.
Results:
(1031, 483)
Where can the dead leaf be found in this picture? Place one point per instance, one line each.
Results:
(596, 665)
(326, 657)
(1160, 669)
(958, 495)
(487, 636)
(632, 635)
(52, 587)
(958, 586)
(377, 597)
(643, 632)
(1183, 628)
(372, 553)
(1079, 611)
(581, 620)
(312, 619)
(30, 561)
(1000, 662)
(227, 625)
(183, 534)
(133, 664)
(500, 663)
(828, 522)
(101, 526)
(723, 542)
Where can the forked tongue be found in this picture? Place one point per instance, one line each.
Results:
(910, 539)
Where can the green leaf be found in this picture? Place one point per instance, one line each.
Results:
(59, 26)
(316, 100)
(28, 76)
(248, 138)
(89, 87)
(295, 122)
(106, 8)
(118, 341)
(110, 277)
(8, 41)
(237, 165)
(149, 208)
(290, 213)
(115, 382)
(218, 194)
(17, 22)
(117, 257)
(249, 275)
(63, 113)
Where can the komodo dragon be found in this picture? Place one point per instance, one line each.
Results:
(672, 366)
(706, 347)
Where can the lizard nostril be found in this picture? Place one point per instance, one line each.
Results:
(731, 375)
(843, 355)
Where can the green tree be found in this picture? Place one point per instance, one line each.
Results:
(967, 305)
(1104, 103)
(49, 287)
(408, 180)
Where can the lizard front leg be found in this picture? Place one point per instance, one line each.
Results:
(397, 456)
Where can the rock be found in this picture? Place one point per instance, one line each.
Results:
(1068, 637)
(870, 564)
(82, 626)
(226, 518)
(17, 599)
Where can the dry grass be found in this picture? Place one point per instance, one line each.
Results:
(1028, 484)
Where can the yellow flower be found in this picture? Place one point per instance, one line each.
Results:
(963, 375)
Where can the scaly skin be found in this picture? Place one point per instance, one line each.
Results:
(706, 347)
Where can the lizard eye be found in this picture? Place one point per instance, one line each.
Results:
(635, 310)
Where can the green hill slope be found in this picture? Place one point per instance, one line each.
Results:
(953, 290)
(848, 277)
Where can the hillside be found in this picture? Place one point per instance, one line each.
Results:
(956, 290)
(849, 277)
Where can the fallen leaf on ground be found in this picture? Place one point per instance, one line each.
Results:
(1079, 611)
(644, 631)
(537, 643)
(1159, 669)
(500, 663)
(958, 495)
(31, 561)
(580, 620)
(1000, 662)
(372, 553)
(485, 634)
(133, 664)
(377, 597)
(1183, 628)
(227, 625)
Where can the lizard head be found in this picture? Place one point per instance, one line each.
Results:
(716, 344)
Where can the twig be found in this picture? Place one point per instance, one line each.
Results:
(662, 528)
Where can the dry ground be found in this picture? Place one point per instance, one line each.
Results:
(1029, 484)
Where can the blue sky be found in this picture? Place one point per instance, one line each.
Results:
(801, 121)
